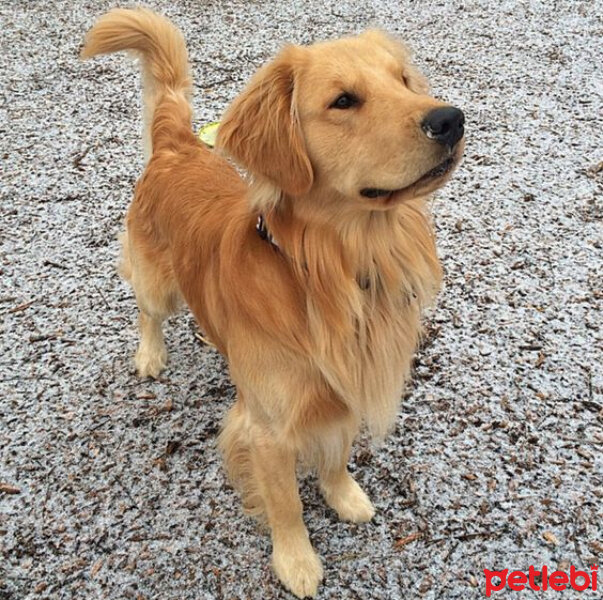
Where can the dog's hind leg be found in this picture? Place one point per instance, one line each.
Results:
(151, 356)
(150, 273)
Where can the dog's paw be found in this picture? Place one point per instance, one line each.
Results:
(150, 361)
(350, 501)
(298, 567)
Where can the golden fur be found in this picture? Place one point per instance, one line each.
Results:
(318, 333)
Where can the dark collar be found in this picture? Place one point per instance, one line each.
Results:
(263, 232)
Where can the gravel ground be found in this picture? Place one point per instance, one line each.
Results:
(112, 487)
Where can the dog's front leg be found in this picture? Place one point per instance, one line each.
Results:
(294, 560)
(341, 491)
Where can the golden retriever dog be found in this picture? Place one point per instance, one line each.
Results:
(316, 309)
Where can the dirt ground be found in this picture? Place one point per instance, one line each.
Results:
(111, 487)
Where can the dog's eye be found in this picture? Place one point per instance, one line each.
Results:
(344, 101)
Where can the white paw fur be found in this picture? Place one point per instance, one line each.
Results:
(350, 501)
(150, 360)
(298, 567)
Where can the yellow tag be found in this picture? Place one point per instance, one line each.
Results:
(208, 133)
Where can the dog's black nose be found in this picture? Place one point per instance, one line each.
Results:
(445, 125)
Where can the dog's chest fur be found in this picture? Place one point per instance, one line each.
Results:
(367, 354)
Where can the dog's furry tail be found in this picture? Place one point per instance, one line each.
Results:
(165, 68)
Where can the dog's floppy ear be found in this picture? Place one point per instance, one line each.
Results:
(261, 129)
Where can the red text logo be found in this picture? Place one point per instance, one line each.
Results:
(541, 580)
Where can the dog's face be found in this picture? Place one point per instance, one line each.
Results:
(352, 118)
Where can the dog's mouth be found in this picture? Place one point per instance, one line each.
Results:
(438, 172)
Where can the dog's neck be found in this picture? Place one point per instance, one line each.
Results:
(363, 335)
(391, 251)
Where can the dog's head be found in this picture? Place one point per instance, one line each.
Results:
(348, 119)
